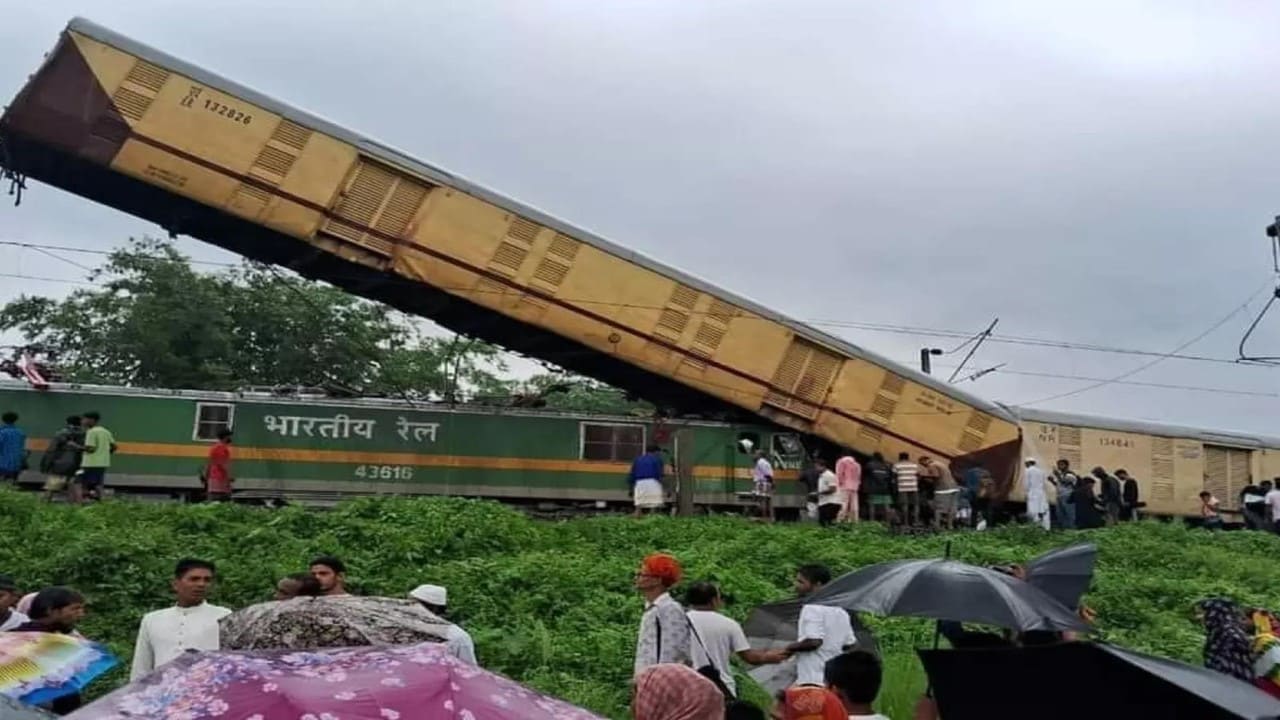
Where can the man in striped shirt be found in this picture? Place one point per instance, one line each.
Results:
(907, 474)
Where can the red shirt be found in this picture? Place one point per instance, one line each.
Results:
(219, 472)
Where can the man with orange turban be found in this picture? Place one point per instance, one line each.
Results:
(664, 629)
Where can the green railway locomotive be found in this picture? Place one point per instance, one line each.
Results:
(317, 450)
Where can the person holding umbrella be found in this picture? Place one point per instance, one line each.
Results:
(824, 631)
(56, 610)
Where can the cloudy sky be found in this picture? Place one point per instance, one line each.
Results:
(1089, 172)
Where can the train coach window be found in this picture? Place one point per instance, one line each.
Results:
(602, 441)
(210, 418)
(748, 442)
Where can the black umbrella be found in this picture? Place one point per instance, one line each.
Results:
(1069, 681)
(1064, 573)
(948, 590)
(776, 625)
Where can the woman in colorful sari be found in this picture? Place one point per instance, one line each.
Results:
(1227, 647)
(1266, 652)
(675, 692)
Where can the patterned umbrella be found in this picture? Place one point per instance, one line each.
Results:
(37, 668)
(414, 682)
(328, 622)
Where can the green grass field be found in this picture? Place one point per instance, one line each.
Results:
(550, 603)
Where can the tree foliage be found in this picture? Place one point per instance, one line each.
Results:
(151, 320)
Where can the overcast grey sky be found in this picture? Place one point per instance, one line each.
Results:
(1096, 172)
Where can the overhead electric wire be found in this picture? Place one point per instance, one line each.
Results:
(847, 324)
(1241, 308)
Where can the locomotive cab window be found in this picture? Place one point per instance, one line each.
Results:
(618, 443)
(210, 418)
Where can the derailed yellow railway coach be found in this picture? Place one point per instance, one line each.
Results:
(1171, 463)
(115, 121)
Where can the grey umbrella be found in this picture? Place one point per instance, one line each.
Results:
(1102, 682)
(948, 590)
(1064, 573)
(775, 625)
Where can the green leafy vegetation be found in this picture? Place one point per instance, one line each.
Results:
(551, 604)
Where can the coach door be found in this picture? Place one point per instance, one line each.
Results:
(1226, 472)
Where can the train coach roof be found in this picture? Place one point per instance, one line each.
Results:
(1213, 437)
(438, 175)
(373, 403)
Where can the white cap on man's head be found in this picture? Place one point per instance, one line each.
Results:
(1031, 460)
(431, 595)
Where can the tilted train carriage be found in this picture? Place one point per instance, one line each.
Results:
(318, 450)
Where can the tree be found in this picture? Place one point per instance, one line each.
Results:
(574, 393)
(153, 321)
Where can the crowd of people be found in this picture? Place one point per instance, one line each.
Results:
(76, 462)
(923, 492)
(192, 623)
(683, 658)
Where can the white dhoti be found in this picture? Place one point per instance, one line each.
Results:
(649, 494)
(1038, 509)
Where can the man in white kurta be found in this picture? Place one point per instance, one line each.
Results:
(191, 624)
(457, 641)
(1036, 485)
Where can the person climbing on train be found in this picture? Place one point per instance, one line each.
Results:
(645, 478)
(762, 484)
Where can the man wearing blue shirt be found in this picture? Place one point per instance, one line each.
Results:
(646, 481)
(13, 448)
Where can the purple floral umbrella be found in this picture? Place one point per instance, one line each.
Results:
(413, 682)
